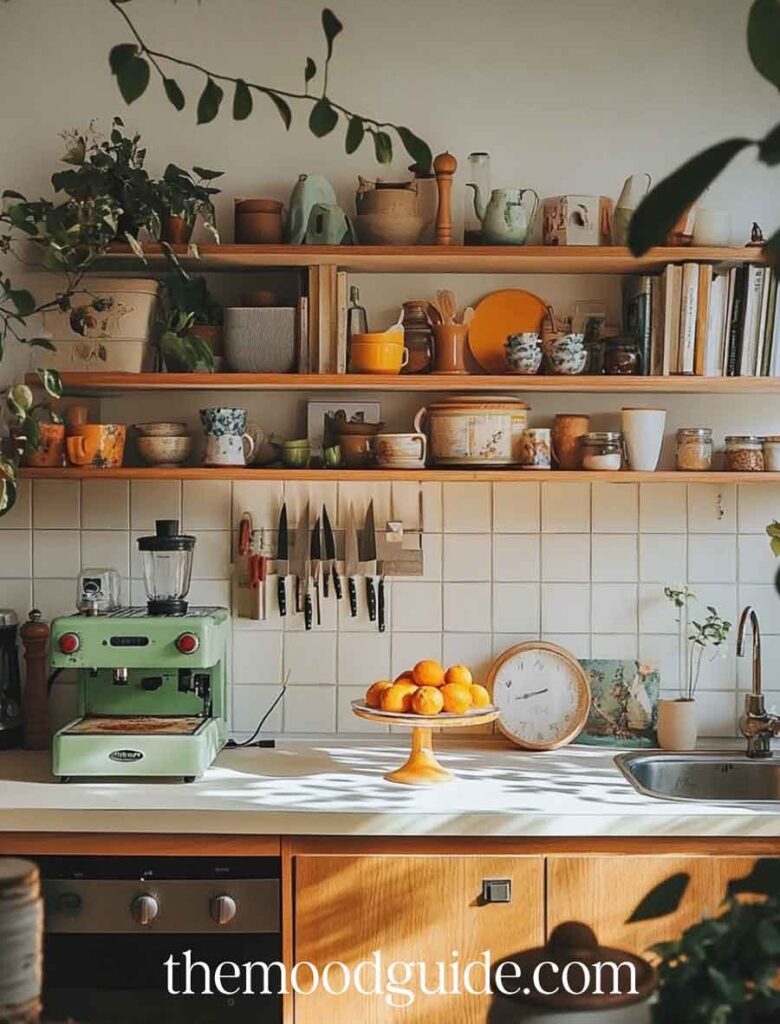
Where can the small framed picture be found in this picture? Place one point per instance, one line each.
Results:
(353, 412)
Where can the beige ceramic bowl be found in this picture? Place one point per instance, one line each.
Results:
(161, 428)
(164, 451)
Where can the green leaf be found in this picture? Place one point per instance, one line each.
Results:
(7, 496)
(242, 101)
(383, 147)
(209, 102)
(310, 70)
(22, 397)
(355, 133)
(763, 879)
(132, 78)
(331, 26)
(322, 119)
(763, 37)
(283, 107)
(662, 207)
(206, 174)
(120, 55)
(174, 93)
(417, 149)
(23, 300)
(42, 343)
(8, 468)
(51, 382)
(135, 245)
(662, 900)
(769, 147)
(768, 936)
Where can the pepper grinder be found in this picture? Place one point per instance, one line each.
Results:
(35, 699)
(445, 166)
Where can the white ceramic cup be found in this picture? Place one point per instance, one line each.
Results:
(643, 430)
(228, 450)
(712, 227)
(405, 450)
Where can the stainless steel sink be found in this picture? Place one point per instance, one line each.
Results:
(710, 777)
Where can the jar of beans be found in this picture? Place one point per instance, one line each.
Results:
(694, 449)
(745, 453)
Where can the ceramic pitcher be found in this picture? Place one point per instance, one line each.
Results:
(505, 220)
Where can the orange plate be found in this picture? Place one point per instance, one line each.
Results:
(498, 315)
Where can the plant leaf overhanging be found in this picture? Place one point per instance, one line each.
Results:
(763, 37)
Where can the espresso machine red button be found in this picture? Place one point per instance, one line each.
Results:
(69, 643)
(186, 643)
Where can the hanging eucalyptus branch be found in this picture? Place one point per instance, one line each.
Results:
(665, 204)
(132, 64)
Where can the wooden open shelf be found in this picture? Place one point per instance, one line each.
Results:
(104, 383)
(346, 475)
(430, 259)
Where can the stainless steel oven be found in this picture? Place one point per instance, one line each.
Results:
(112, 923)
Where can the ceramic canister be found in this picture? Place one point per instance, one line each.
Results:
(643, 431)
(474, 431)
(21, 940)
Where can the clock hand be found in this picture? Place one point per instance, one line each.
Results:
(532, 693)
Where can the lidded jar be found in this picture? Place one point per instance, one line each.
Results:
(418, 336)
(745, 453)
(602, 450)
(694, 449)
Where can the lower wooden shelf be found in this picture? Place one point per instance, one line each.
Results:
(475, 475)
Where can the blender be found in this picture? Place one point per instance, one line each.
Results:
(167, 565)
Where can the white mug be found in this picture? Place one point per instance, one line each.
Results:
(407, 451)
(228, 450)
(643, 430)
(712, 227)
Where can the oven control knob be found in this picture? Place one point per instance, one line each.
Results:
(187, 643)
(69, 643)
(223, 909)
(144, 909)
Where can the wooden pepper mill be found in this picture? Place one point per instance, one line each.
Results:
(445, 166)
(35, 698)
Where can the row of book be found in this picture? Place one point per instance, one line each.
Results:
(705, 320)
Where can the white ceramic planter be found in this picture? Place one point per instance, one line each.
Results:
(677, 724)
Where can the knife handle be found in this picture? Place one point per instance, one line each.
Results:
(352, 586)
(371, 598)
(307, 611)
(381, 604)
(281, 593)
(325, 580)
(337, 583)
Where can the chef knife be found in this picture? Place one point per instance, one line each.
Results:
(315, 551)
(351, 560)
(301, 555)
(330, 555)
(282, 561)
(306, 585)
(368, 558)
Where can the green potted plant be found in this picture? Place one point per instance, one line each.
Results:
(29, 437)
(183, 196)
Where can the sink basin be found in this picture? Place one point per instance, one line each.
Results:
(711, 777)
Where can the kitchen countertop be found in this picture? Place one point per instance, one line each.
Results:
(333, 786)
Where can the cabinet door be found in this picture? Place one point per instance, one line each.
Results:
(410, 908)
(603, 891)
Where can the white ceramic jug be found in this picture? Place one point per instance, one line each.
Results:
(635, 188)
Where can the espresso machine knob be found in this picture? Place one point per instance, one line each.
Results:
(144, 909)
(223, 909)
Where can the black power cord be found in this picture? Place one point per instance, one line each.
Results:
(253, 741)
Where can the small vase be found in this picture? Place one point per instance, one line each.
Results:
(677, 724)
(176, 230)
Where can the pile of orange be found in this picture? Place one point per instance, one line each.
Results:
(429, 689)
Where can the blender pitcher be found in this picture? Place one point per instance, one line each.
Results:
(167, 566)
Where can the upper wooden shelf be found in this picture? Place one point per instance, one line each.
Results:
(104, 383)
(452, 259)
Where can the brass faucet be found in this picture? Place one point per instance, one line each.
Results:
(755, 723)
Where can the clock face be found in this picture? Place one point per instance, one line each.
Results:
(542, 694)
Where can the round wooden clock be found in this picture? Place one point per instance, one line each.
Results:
(542, 695)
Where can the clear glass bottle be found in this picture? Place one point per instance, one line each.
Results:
(602, 450)
(357, 318)
(694, 449)
(745, 453)
(478, 173)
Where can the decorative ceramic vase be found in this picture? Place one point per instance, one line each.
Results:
(388, 213)
(677, 724)
(523, 352)
(643, 431)
(309, 190)
(328, 225)
(566, 354)
(567, 433)
(50, 450)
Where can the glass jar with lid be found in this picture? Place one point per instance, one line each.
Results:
(745, 453)
(602, 450)
(621, 357)
(772, 453)
(694, 449)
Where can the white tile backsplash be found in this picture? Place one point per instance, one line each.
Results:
(578, 564)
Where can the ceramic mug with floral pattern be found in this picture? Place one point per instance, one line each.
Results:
(221, 421)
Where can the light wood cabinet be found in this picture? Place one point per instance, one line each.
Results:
(411, 908)
(603, 891)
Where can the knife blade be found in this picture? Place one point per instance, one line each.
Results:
(368, 559)
(282, 561)
(351, 559)
(307, 581)
(330, 555)
(300, 555)
(315, 551)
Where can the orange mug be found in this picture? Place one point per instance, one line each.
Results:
(100, 445)
(50, 450)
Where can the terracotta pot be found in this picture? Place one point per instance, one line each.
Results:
(212, 334)
(449, 348)
(258, 221)
(176, 230)
(51, 446)
(567, 432)
(677, 724)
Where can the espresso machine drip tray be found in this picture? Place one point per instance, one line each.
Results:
(140, 725)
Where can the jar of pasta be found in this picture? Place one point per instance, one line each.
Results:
(694, 449)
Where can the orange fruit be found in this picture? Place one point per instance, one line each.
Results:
(405, 677)
(428, 673)
(480, 698)
(374, 692)
(397, 697)
(459, 674)
(427, 700)
(457, 698)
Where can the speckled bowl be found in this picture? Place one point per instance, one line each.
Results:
(164, 451)
(161, 428)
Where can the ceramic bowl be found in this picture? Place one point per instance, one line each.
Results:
(384, 358)
(296, 454)
(161, 428)
(567, 355)
(378, 338)
(164, 451)
(523, 353)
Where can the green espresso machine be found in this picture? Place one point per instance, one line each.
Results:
(152, 681)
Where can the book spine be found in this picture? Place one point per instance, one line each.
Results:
(702, 317)
(734, 357)
(688, 306)
(303, 363)
(341, 321)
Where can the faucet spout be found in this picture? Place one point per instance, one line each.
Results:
(756, 724)
(749, 615)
